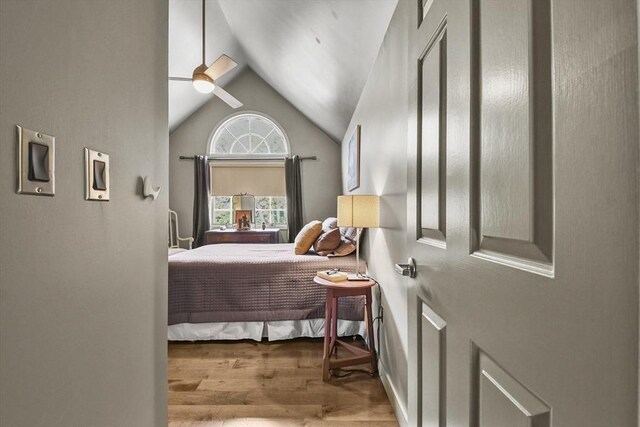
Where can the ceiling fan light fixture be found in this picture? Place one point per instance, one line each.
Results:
(203, 86)
(202, 82)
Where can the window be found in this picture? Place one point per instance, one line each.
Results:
(271, 210)
(244, 138)
(249, 135)
(221, 210)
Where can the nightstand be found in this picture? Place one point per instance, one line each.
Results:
(269, 235)
(337, 290)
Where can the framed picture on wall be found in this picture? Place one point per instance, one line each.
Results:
(353, 170)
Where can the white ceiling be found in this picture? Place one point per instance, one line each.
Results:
(316, 53)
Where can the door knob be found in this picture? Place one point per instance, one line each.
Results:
(408, 269)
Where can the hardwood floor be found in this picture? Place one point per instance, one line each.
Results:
(268, 384)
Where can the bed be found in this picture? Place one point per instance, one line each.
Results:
(251, 291)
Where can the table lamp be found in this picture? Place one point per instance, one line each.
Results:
(359, 211)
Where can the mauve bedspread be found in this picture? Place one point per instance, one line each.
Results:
(252, 282)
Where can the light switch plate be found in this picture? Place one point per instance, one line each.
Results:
(96, 167)
(29, 186)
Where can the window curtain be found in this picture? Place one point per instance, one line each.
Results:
(293, 185)
(200, 199)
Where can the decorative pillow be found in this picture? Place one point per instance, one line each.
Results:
(306, 237)
(327, 242)
(349, 233)
(348, 244)
(329, 224)
(346, 248)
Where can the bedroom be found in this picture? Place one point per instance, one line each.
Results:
(256, 290)
(505, 162)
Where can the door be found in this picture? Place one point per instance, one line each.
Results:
(522, 213)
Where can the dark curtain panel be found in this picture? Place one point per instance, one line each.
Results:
(200, 199)
(294, 196)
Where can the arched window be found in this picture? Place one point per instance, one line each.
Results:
(246, 137)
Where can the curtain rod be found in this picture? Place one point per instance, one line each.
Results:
(252, 159)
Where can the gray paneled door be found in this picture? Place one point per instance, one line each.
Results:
(523, 213)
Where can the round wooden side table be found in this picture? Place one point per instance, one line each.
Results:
(337, 290)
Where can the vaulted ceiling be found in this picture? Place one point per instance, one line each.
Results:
(316, 53)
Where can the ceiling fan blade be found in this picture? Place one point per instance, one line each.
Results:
(220, 67)
(227, 97)
(180, 79)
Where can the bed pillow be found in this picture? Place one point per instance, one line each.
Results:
(306, 237)
(348, 242)
(327, 242)
(329, 224)
(346, 248)
(349, 233)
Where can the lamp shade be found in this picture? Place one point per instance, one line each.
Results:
(360, 211)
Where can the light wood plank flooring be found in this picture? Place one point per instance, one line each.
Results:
(244, 383)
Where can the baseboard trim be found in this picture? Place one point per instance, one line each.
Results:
(398, 406)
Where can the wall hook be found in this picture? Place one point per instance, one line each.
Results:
(148, 190)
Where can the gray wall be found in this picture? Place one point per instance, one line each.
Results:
(320, 178)
(83, 284)
(382, 111)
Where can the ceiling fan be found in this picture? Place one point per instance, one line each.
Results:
(204, 78)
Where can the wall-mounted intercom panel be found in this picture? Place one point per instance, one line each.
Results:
(96, 166)
(36, 163)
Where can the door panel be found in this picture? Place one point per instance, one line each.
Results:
(512, 181)
(432, 146)
(499, 400)
(433, 364)
(535, 166)
(506, 207)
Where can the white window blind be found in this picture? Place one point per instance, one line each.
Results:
(257, 179)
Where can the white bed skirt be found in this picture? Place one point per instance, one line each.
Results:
(272, 330)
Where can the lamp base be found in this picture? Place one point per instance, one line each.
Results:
(357, 278)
